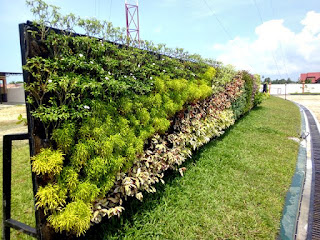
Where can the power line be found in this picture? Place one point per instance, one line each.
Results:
(95, 8)
(98, 8)
(255, 3)
(110, 10)
(218, 20)
(274, 59)
(223, 27)
(271, 5)
(284, 57)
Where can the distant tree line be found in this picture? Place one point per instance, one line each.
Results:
(15, 82)
(308, 80)
(278, 81)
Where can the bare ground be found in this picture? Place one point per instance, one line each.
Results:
(310, 101)
(9, 118)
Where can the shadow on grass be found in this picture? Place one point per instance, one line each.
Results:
(116, 227)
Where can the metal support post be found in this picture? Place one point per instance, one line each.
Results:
(7, 222)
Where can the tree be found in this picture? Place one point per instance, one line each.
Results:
(308, 80)
(267, 80)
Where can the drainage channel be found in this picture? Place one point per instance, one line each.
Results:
(289, 226)
(314, 210)
(301, 213)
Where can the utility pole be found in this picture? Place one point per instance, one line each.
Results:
(285, 91)
(132, 21)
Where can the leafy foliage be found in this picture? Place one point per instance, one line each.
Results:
(51, 197)
(118, 116)
(48, 161)
(64, 136)
(74, 218)
(23, 120)
(239, 105)
(251, 96)
(193, 127)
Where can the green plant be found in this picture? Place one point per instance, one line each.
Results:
(85, 191)
(238, 106)
(51, 198)
(233, 188)
(48, 161)
(102, 104)
(252, 84)
(74, 218)
(22, 120)
(64, 136)
(200, 122)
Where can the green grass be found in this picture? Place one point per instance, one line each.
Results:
(22, 208)
(234, 187)
(306, 93)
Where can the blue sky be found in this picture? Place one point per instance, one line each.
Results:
(284, 44)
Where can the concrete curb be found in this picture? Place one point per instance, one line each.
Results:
(294, 195)
(294, 223)
(302, 221)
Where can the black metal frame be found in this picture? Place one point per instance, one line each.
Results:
(7, 221)
(42, 231)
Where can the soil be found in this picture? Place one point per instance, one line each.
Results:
(10, 113)
(9, 118)
(312, 102)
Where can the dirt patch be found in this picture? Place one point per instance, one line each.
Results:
(310, 101)
(9, 118)
(11, 113)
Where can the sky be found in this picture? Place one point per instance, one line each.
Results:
(276, 39)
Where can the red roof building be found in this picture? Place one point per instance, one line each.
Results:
(314, 77)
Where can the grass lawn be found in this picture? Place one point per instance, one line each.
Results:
(306, 93)
(234, 187)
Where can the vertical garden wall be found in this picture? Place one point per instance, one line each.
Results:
(109, 118)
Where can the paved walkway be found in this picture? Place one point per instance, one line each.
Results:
(301, 217)
(311, 224)
(312, 102)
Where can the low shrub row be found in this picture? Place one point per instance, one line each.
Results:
(114, 118)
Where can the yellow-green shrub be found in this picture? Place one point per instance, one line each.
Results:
(51, 198)
(75, 218)
(48, 161)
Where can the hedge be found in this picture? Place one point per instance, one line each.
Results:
(115, 117)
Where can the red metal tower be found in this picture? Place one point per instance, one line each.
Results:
(132, 19)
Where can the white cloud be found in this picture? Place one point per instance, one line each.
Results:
(311, 22)
(275, 42)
